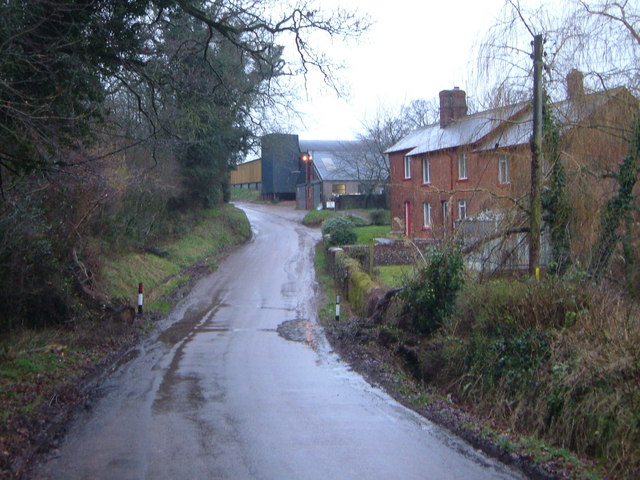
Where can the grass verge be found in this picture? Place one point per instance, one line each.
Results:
(164, 270)
(247, 194)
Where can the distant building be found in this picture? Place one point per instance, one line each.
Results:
(339, 167)
(332, 168)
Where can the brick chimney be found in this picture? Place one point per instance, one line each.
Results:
(575, 84)
(453, 105)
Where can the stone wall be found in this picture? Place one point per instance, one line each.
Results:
(353, 283)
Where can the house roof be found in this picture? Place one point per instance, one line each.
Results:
(337, 160)
(501, 127)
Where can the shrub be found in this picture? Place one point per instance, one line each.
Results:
(340, 230)
(380, 217)
(429, 297)
(554, 359)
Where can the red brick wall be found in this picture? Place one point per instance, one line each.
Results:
(481, 189)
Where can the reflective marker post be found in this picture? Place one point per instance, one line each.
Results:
(140, 298)
(338, 308)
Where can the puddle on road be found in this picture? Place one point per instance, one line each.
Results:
(181, 328)
(191, 321)
(298, 331)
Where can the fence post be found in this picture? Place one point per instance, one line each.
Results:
(371, 254)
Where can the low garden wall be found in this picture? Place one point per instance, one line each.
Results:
(396, 253)
(354, 284)
(348, 264)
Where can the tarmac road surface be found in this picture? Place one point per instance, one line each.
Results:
(239, 383)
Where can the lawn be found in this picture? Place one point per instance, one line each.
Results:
(368, 233)
(393, 275)
(314, 218)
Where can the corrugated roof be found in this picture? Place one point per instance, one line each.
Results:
(337, 160)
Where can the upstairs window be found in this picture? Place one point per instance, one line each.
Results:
(503, 170)
(426, 170)
(462, 166)
(407, 167)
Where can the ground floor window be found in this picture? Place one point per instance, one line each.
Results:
(407, 219)
(462, 209)
(339, 188)
(445, 211)
(426, 213)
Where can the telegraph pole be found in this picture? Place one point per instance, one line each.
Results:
(535, 218)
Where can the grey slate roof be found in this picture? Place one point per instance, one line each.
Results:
(500, 127)
(465, 131)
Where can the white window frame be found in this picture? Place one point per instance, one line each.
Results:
(444, 205)
(407, 167)
(503, 170)
(426, 170)
(463, 173)
(462, 209)
(426, 215)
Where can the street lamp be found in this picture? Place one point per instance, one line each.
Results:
(307, 159)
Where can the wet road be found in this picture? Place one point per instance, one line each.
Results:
(241, 384)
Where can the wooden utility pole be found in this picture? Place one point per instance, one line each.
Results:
(535, 219)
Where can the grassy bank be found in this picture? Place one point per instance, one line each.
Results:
(553, 360)
(43, 372)
(165, 267)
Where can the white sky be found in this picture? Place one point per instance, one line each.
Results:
(415, 49)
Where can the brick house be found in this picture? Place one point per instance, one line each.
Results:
(464, 169)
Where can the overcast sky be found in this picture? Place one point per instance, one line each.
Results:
(415, 49)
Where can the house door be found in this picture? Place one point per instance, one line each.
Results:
(407, 219)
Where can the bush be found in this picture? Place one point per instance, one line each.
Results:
(380, 217)
(554, 359)
(429, 297)
(341, 231)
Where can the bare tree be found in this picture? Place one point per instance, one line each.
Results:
(387, 127)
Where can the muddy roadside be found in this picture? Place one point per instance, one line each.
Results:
(383, 363)
(25, 438)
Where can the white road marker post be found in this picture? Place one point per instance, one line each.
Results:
(140, 298)
(338, 308)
